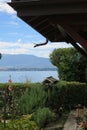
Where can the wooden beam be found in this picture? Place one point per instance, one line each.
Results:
(44, 8)
(70, 40)
(48, 1)
(79, 49)
(74, 35)
(71, 19)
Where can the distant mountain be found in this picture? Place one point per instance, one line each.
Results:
(24, 61)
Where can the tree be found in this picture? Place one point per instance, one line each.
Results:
(70, 63)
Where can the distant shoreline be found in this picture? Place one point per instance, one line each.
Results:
(28, 69)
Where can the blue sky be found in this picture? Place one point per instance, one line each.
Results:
(17, 37)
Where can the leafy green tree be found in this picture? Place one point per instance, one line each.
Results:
(70, 63)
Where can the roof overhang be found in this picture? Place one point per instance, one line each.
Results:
(57, 20)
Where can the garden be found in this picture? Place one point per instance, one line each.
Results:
(32, 106)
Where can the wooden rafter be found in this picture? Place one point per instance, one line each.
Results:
(75, 36)
(73, 42)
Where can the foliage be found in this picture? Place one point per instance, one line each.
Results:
(36, 96)
(43, 116)
(56, 101)
(70, 63)
(23, 123)
(32, 99)
(68, 95)
(29, 98)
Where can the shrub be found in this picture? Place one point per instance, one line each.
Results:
(32, 99)
(43, 116)
(23, 123)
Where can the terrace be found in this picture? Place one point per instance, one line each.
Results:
(57, 20)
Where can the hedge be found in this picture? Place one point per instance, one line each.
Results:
(68, 95)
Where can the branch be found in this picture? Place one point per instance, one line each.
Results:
(41, 44)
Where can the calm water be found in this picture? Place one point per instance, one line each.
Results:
(22, 76)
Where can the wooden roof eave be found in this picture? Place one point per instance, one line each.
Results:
(71, 15)
(38, 8)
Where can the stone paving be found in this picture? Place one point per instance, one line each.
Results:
(71, 122)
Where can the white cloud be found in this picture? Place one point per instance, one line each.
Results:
(19, 40)
(12, 23)
(23, 48)
(56, 45)
(4, 7)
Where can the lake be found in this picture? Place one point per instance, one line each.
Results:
(23, 76)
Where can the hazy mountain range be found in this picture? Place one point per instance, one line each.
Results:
(22, 61)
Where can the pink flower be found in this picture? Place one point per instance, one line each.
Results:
(9, 88)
